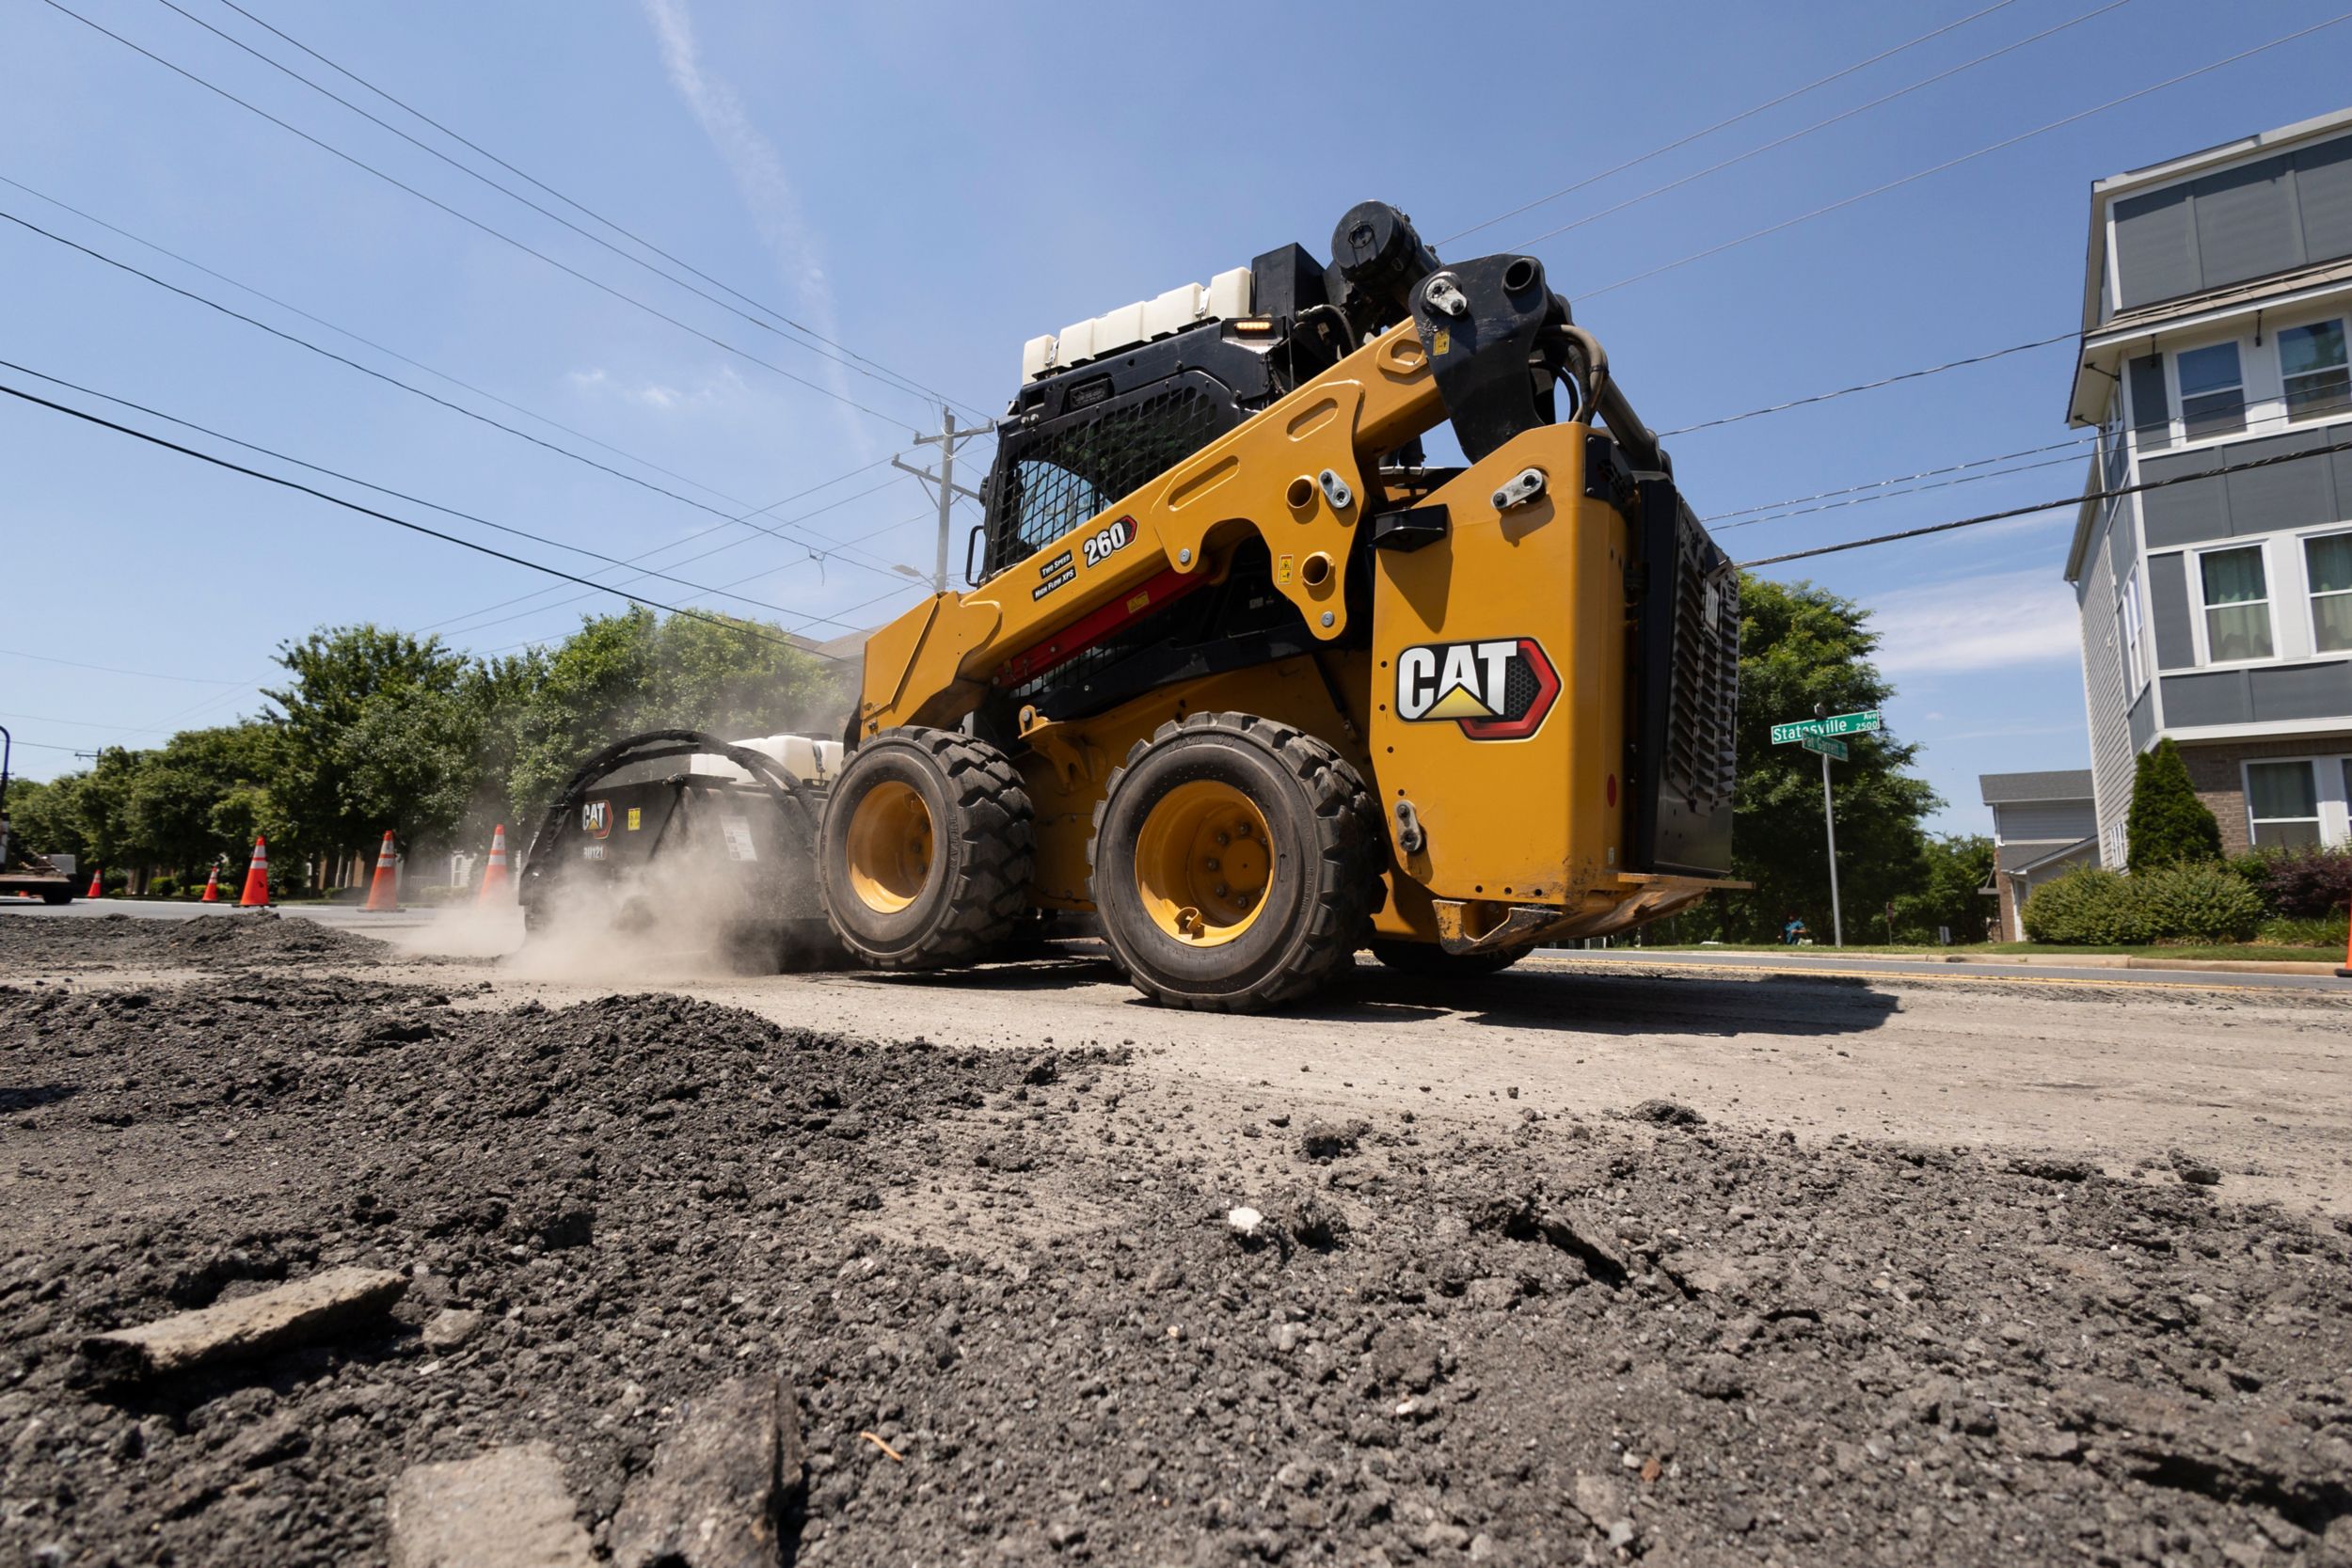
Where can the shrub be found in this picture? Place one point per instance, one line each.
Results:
(2299, 883)
(2168, 823)
(2284, 931)
(2093, 908)
(2087, 907)
(162, 885)
(2199, 903)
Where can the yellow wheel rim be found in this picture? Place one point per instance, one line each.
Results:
(890, 846)
(1202, 862)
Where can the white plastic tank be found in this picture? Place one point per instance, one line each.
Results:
(808, 758)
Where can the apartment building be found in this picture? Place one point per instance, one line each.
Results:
(2217, 609)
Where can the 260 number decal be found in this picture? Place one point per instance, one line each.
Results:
(1109, 541)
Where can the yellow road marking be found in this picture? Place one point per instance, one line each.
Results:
(1980, 978)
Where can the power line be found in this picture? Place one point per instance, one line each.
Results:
(2074, 443)
(409, 386)
(1818, 125)
(1874, 385)
(746, 628)
(673, 543)
(2076, 455)
(1954, 163)
(392, 353)
(366, 484)
(2078, 500)
(83, 724)
(891, 381)
(476, 223)
(580, 207)
(1721, 124)
(110, 669)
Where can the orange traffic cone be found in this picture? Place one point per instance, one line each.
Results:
(2344, 972)
(95, 891)
(211, 885)
(256, 894)
(384, 892)
(494, 887)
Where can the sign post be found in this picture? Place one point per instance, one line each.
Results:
(1817, 734)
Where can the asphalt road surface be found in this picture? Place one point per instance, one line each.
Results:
(2251, 1071)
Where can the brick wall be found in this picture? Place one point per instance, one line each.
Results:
(2214, 772)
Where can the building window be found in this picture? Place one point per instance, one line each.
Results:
(2282, 803)
(2213, 391)
(2311, 365)
(2237, 604)
(2328, 562)
(2127, 619)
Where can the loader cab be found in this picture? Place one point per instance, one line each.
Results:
(1108, 403)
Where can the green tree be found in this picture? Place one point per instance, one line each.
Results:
(45, 817)
(622, 674)
(173, 796)
(2168, 825)
(1800, 646)
(335, 793)
(1954, 866)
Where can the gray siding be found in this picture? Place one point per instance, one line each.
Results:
(2323, 182)
(2306, 494)
(2272, 215)
(2111, 750)
(2050, 822)
(2143, 720)
(2168, 608)
(2186, 512)
(2219, 698)
(2258, 695)
(2301, 690)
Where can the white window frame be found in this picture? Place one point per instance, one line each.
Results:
(2303, 571)
(2334, 818)
(2286, 411)
(2135, 649)
(2270, 602)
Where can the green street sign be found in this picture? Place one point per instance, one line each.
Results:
(1836, 723)
(1824, 745)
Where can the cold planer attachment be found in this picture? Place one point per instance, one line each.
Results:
(679, 838)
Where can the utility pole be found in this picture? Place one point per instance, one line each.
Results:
(1829, 822)
(942, 483)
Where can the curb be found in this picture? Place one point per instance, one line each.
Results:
(1988, 960)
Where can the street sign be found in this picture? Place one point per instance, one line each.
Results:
(1836, 723)
(1824, 745)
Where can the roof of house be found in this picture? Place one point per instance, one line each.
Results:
(2068, 783)
(2027, 858)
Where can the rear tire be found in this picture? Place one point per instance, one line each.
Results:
(1235, 864)
(925, 852)
(56, 896)
(1427, 961)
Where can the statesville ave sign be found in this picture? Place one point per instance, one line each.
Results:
(1836, 723)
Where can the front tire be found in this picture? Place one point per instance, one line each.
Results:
(1235, 864)
(925, 854)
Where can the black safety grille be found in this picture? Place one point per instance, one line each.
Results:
(1701, 761)
(1057, 476)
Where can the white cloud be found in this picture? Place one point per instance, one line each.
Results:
(760, 175)
(1997, 621)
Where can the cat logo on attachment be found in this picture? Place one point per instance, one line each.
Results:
(1498, 689)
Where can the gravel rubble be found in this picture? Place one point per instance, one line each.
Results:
(1022, 1325)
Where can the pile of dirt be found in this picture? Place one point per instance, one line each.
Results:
(1039, 1306)
(243, 938)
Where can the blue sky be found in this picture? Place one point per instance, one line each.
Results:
(931, 185)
